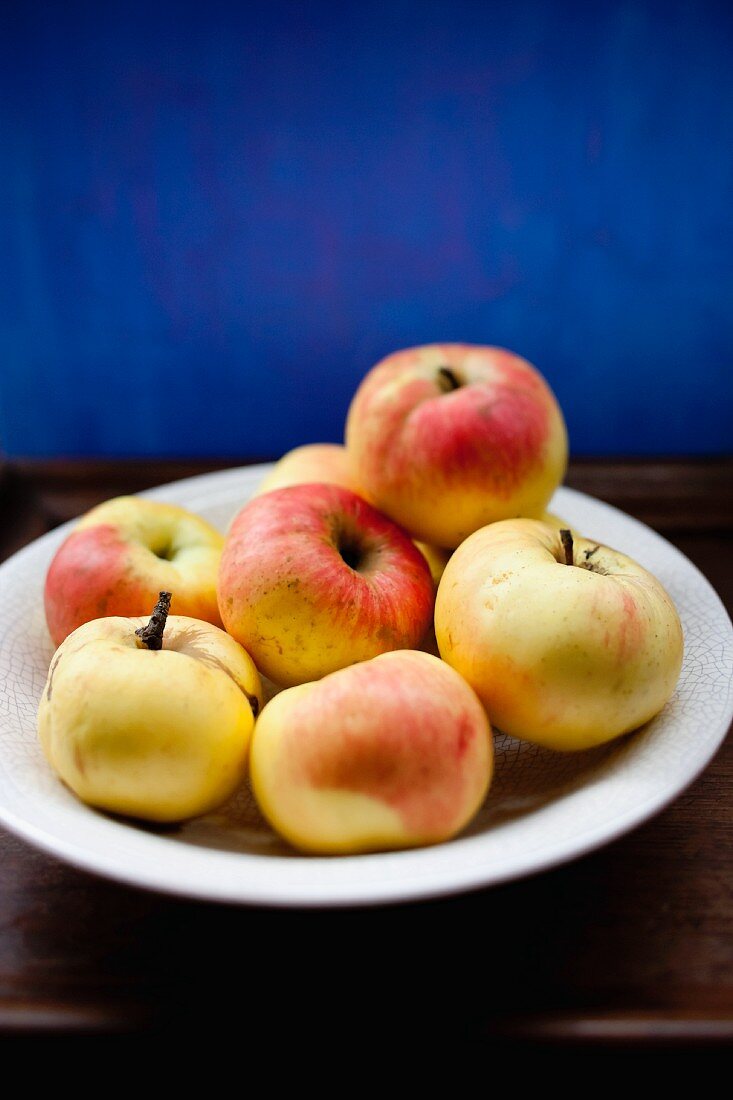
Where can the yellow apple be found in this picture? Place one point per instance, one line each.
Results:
(568, 643)
(391, 753)
(553, 520)
(156, 734)
(121, 554)
(437, 559)
(312, 462)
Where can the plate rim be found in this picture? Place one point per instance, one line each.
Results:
(277, 892)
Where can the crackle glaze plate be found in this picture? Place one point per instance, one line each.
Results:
(543, 808)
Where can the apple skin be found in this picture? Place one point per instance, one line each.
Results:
(329, 462)
(161, 736)
(289, 597)
(391, 753)
(111, 565)
(567, 656)
(444, 461)
(437, 559)
(556, 522)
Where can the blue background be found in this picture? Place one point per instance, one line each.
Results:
(216, 217)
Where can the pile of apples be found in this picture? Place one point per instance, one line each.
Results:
(329, 584)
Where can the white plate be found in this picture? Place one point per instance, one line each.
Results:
(543, 807)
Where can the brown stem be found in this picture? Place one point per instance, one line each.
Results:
(449, 380)
(567, 544)
(151, 635)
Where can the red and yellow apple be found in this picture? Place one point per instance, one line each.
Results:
(390, 753)
(161, 735)
(447, 438)
(313, 578)
(568, 643)
(329, 463)
(125, 551)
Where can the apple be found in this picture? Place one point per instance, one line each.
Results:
(313, 578)
(155, 733)
(559, 524)
(567, 642)
(329, 462)
(121, 554)
(390, 753)
(447, 438)
(436, 557)
(324, 462)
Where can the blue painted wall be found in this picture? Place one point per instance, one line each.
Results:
(215, 217)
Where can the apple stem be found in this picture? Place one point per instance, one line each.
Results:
(151, 635)
(448, 379)
(567, 544)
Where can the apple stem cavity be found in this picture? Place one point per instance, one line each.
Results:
(351, 554)
(567, 544)
(448, 380)
(151, 635)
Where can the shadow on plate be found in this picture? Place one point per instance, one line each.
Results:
(526, 778)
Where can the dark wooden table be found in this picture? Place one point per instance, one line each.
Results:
(631, 946)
